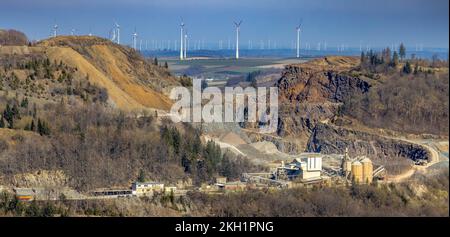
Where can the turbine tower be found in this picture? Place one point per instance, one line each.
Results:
(185, 45)
(298, 40)
(118, 32)
(181, 40)
(135, 35)
(238, 26)
(55, 30)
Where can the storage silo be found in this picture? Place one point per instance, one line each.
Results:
(357, 171)
(367, 170)
(346, 165)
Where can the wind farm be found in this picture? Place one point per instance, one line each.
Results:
(222, 59)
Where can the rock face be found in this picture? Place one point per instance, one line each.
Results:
(306, 85)
(313, 92)
(42, 178)
(330, 139)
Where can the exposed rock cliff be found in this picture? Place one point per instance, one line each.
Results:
(313, 92)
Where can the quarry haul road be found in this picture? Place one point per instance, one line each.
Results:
(432, 159)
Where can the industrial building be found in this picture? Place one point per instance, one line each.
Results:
(146, 188)
(307, 167)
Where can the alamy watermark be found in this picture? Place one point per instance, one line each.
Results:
(235, 104)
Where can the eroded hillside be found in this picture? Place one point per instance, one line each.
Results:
(313, 92)
(132, 83)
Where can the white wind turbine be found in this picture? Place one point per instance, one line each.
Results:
(134, 37)
(55, 30)
(238, 26)
(181, 40)
(118, 32)
(185, 45)
(72, 32)
(298, 28)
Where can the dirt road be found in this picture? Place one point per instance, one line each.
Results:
(433, 158)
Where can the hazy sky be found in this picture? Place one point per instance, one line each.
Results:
(376, 22)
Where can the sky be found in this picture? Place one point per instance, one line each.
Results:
(377, 23)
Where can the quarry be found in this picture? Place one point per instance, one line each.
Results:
(86, 120)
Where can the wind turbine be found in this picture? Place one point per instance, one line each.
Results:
(298, 28)
(72, 32)
(185, 45)
(134, 37)
(181, 40)
(118, 32)
(55, 30)
(238, 26)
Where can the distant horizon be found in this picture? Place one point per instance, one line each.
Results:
(373, 24)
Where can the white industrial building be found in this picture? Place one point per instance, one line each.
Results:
(307, 166)
(146, 188)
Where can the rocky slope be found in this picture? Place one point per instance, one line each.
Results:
(312, 92)
(132, 83)
(320, 80)
(135, 82)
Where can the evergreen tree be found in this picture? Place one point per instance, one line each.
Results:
(24, 103)
(402, 51)
(387, 55)
(8, 116)
(15, 111)
(2, 122)
(43, 128)
(407, 68)
(32, 126)
(363, 59)
(39, 126)
(34, 110)
(141, 177)
(166, 65)
(394, 61)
